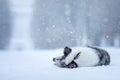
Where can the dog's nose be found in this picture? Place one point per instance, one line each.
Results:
(54, 59)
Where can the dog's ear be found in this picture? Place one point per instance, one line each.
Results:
(67, 50)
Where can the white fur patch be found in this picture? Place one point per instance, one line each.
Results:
(87, 57)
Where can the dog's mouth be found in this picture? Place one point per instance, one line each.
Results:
(58, 61)
(58, 58)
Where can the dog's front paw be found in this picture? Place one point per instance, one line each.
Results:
(72, 66)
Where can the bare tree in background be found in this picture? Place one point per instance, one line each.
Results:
(5, 24)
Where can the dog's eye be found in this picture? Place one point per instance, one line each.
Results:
(61, 59)
(57, 59)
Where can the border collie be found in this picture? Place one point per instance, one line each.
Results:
(82, 57)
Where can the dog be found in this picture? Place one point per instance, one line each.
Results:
(82, 57)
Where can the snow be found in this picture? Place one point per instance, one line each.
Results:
(38, 65)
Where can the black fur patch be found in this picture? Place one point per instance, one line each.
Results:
(103, 56)
(76, 57)
(72, 65)
(67, 51)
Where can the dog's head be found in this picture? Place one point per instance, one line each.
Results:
(59, 61)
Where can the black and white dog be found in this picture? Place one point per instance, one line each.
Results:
(82, 57)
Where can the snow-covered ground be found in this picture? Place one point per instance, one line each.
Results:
(38, 65)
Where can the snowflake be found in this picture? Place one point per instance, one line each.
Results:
(107, 37)
(105, 19)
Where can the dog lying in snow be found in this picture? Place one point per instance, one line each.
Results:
(82, 57)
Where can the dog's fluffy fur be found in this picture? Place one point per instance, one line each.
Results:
(82, 57)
